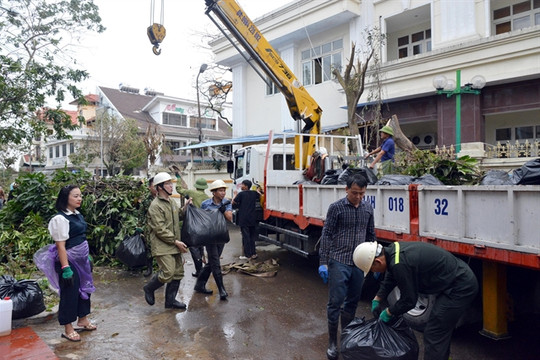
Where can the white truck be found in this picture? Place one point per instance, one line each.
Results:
(496, 227)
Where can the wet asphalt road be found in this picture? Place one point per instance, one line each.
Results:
(283, 317)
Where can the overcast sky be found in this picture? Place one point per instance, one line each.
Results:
(123, 53)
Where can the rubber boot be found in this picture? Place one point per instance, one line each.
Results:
(170, 296)
(332, 351)
(219, 282)
(149, 289)
(198, 266)
(200, 285)
(346, 318)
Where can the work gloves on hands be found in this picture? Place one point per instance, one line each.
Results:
(376, 308)
(223, 207)
(67, 276)
(323, 273)
(385, 316)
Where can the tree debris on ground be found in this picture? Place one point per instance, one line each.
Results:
(267, 268)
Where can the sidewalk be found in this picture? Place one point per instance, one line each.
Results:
(24, 344)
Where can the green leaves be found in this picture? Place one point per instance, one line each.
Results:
(111, 207)
(35, 41)
(461, 171)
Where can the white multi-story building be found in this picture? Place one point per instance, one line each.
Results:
(497, 39)
(175, 118)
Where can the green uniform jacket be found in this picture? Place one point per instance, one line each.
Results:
(197, 196)
(163, 220)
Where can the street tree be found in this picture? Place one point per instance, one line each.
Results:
(215, 89)
(37, 65)
(114, 140)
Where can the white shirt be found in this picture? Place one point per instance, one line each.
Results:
(59, 226)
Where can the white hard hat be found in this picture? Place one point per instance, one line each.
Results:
(161, 178)
(218, 184)
(323, 151)
(364, 254)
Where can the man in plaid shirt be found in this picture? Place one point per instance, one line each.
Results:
(349, 222)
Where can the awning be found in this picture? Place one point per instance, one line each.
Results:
(248, 139)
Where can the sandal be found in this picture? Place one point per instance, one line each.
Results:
(74, 336)
(88, 327)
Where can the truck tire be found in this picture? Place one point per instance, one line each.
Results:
(417, 317)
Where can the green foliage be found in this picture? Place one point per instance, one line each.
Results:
(461, 171)
(111, 208)
(36, 66)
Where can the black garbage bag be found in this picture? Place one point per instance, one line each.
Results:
(395, 180)
(364, 171)
(497, 177)
(375, 340)
(26, 296)
(427, 179)
(204, 227)
(528, 174)
(331, 177)
(132, 251)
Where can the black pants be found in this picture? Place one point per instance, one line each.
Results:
(249, 236)
(214, 252)
(71, 306)
(448, 308)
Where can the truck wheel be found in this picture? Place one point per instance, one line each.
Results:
(417, 317)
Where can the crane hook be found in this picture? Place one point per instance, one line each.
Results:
(156, 50)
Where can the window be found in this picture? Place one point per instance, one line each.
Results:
(516, 16)
(173, 145)
(518, 133)
(503, 134)
(272, 88)
(64, 149)
(50, 152)
(414, 44)
(174, 119)
(277, 162)
(318, 62)
(71, 148)
(206, 123)
(57, 150)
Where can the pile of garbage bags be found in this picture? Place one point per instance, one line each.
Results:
(26, 295)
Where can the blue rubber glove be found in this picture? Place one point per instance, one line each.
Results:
(385, 316)
(376, 308)
(323, 273)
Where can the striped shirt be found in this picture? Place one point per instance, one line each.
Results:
(345, 228)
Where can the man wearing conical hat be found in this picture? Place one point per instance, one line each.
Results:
(385, 152)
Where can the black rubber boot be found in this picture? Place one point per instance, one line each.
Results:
(332, 351)
(200, 285)
(219, 282)
(170, 296)
(198, 266)
(346, 318)
(149, 289)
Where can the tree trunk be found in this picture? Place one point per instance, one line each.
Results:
(400, 139)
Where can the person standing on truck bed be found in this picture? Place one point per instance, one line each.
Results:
(197, 196)
(385, 152)
(245, 201)
(418, 267)
(349, 222)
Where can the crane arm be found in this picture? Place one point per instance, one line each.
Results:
(301, 105)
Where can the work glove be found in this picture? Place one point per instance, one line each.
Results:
(67, 276)
(323, 273)
(385, 317)
(139, 230)
(376, 308)
(223, 208)
(91, 261)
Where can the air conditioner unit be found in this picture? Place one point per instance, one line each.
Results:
(424, 140)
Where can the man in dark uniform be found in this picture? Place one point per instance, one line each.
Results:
(245, 202)
(417, 267)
